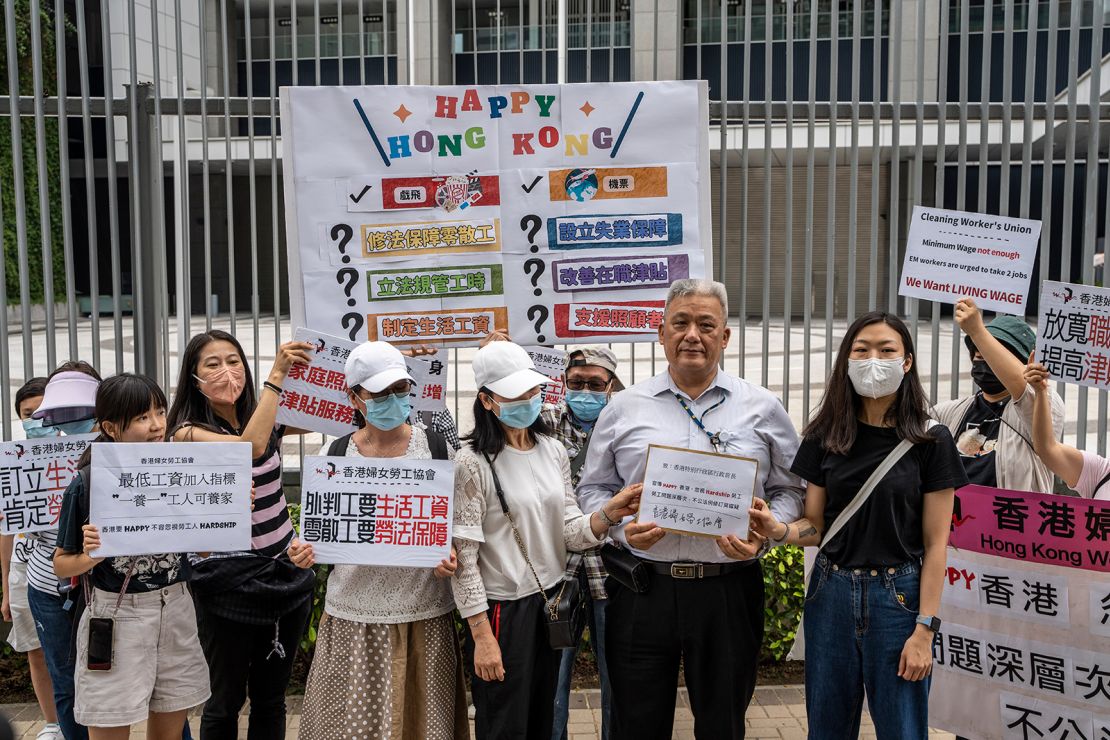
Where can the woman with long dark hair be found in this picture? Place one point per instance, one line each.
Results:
(879, 502)
(508, 561)
(156, 670)
(253, 606)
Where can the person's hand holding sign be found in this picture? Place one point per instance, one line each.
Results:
(642, 535)
(626, 502)
(301, 554)
(448, 566)
(969, 317)
(91, 541)
(289, 354)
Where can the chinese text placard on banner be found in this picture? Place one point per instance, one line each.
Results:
(369, 511)
(193, 496)
(439, 215)
(33, 475)
(1024, 649)
(430, 374)
(956, 254)
(1073, 340)
(314, 396)
(696, 492)
(552, 363)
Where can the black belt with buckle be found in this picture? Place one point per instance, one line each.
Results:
(693, 571)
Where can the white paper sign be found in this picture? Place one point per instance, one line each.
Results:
(33, 475)
(314, 396)
(956, 254)
(552, 363)
(430, 374)
(154, 497)
(696, 492)
(441, 214)
(1073, 341)
(378, 511)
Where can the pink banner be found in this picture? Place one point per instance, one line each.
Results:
(1034, 527)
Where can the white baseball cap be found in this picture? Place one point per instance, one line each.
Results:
(375, 366)
(506, 369)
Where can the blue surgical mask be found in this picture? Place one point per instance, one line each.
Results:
(389, 412)
(586, 405)
(34, 429)
(520, 414)
(75, 427)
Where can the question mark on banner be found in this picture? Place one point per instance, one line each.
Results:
(537, 315)
(355, 320)
(537, 263)
(536, 223)
(348, 233)
(348, 278)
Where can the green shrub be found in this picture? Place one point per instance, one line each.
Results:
(783, 598)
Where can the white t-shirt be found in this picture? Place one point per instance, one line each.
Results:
(536, 484)
(1095, 468)
(383, 595)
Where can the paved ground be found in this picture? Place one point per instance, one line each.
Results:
(776, 712)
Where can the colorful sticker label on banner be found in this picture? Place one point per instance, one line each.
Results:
(452, 193)
(617, 273)
(589, 232)
(434, 282)
(1034, 527)
(605, 183)
(462, 325)
(597, 319)
(432, 237)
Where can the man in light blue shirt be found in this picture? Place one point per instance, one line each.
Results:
(704, 605)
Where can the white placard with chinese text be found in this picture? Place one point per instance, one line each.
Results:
(378, 511)
(957, 254)
(430, 374)
(700, 493)
(1073, 340)
(552, 363)
(154, 497)
(314, 396)
(33, 475)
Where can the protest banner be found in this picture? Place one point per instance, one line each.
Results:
(156, 497)
(430, 373)
(700, 493)
(378, 511)
(552, 363)
(1073, 341)
(955, 254)
(1024, 648)
(314, 396)
(438, 215)
(33, 475)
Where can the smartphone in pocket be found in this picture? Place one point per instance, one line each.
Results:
(100, 644)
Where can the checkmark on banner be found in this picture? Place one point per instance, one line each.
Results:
(365, 190)
(528, 188)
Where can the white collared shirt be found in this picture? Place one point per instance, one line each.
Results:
(749, 420)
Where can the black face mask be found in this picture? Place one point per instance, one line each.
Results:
(985, 378)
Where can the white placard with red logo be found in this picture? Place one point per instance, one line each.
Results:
(33, 475)
(552, 363)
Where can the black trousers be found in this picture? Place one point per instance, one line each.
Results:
(714, 626)
(241, 664)
(523, 705)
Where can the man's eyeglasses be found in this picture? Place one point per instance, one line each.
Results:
(597, 386)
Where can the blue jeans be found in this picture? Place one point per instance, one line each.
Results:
(856, 624)
(54, 625)
(595, 611)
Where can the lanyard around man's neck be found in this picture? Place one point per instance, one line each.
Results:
(714, 438)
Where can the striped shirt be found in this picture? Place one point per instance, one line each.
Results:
(39, 548)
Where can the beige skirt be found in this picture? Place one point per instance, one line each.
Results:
(386, 682)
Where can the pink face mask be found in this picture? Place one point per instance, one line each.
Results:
(223, 385)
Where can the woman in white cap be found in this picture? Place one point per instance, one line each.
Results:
(510, 466)
(387, 661)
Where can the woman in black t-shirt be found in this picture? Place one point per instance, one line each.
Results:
(873, 596)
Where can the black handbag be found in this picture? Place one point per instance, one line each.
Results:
(625, 568)
(564, 608)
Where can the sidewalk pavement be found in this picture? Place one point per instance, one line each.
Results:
(775, 712)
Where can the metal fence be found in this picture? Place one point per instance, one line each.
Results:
(141, 160)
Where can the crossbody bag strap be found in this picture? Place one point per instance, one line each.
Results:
(860, 498)
(1101, 483)
(509, 516)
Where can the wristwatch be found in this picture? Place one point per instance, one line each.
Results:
(933, 623)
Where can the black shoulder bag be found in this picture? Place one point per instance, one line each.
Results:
(565, 610)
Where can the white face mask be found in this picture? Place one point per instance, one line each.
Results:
(876, 378)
